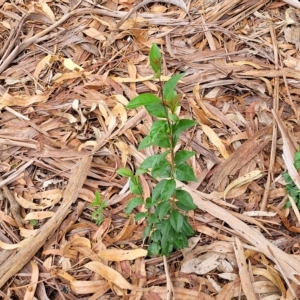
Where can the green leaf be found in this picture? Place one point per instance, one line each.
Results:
(140, 171)
(97, 216)
(162, 209)
(287, 178)
(169, 87)
(133, 203)
(168, 190)
(174, 103)
(160, 126)
(173, 117)
(145, 143)
(149, 203)
(147, 231)
(152, 219)
(33, 222)
(153, 249)
(288, 204)
(297, 156)
(187, 228)
(182, 125)
(183, 155)
(162, 170)
(167, 250)
(295, 193)
(159, 133)
(124, 172)
(149, 162)
(181, 242)
(185, 200)
(156, 110)
(162, 140)
(176, 220)
(167, 243)
(97, 199)
(165, 227)
(135, 186)
(156, 236)
(289, 188)
(297, 164)
(152, 160)
(184, 172)
(143, 99)
(140, 216)
(157, 190)
(164, 190)
(155, 59)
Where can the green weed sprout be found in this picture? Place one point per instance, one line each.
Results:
(291, 188)
(33, 222)
(97, 215)
(167, 226)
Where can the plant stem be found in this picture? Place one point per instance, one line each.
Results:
(170, 129)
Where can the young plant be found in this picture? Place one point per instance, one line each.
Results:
(97, 215)
(166, 209)
(33, 222)
(291, 188)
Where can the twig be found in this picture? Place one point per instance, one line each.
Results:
(264, 201)
(170, 288)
